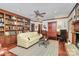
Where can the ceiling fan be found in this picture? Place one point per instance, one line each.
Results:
(37, 13)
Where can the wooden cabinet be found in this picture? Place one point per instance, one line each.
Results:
(2, 40)
(13, 39)
(11, 24)
(73, 38)
(76, 27)
(7, 40)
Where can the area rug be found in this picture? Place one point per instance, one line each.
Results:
(35, 50)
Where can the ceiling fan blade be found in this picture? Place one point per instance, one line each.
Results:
(43, 13)
(37, 13)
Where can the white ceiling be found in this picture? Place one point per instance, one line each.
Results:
(27, 9)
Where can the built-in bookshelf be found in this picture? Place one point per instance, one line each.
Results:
(1, 24)
(11, 24)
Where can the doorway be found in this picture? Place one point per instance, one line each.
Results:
(32, 27)
(52, 29)
(39, 28)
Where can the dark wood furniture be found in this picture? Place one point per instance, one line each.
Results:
(76, 33)
(63, 36)
(39, 28)
(32, 27)
(11, 24)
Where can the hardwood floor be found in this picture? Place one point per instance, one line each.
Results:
(62, 49)
(10, 47)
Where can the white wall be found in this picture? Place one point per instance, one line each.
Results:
(61, 23)
(70, 30)
(46, 24)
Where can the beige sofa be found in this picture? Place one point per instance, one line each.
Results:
(27, 39)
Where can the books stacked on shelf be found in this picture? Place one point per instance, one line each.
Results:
(20, 23)
(1, 20)
(11, 24)
(19, 32)
(1, 15)
(20, 20)
(7, 22)
(13, 18)
(1, 29)
(20, 28)
(1, 24)
(10, 28)
(7, 27)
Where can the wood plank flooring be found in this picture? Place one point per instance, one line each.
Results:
(10, 47)
(62, 49)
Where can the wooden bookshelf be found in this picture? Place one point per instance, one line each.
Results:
(11, 24)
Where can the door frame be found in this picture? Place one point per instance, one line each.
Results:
(55, 27)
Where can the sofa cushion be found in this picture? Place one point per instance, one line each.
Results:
(27, 39)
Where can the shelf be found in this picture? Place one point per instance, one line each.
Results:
(1, 17)
(10, 25)
(19, 25)
(1, 26)
(10, 30)
(10, 20)
(1, 22)
(20, 21)
(2, 31)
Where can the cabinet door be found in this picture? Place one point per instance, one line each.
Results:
(13, 39)
(2, 42)
(52, 27)
(76, 27)
(73, 38)
(7, 40)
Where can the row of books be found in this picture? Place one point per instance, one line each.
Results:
(1, 20)
(14, 22)
(19, 28)
(10, 17)
(1, 15)
(1, 29)
(13, 28)
(10, 27)
(20, 23)
(1, 24)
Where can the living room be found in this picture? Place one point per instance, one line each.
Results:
(39, 29)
